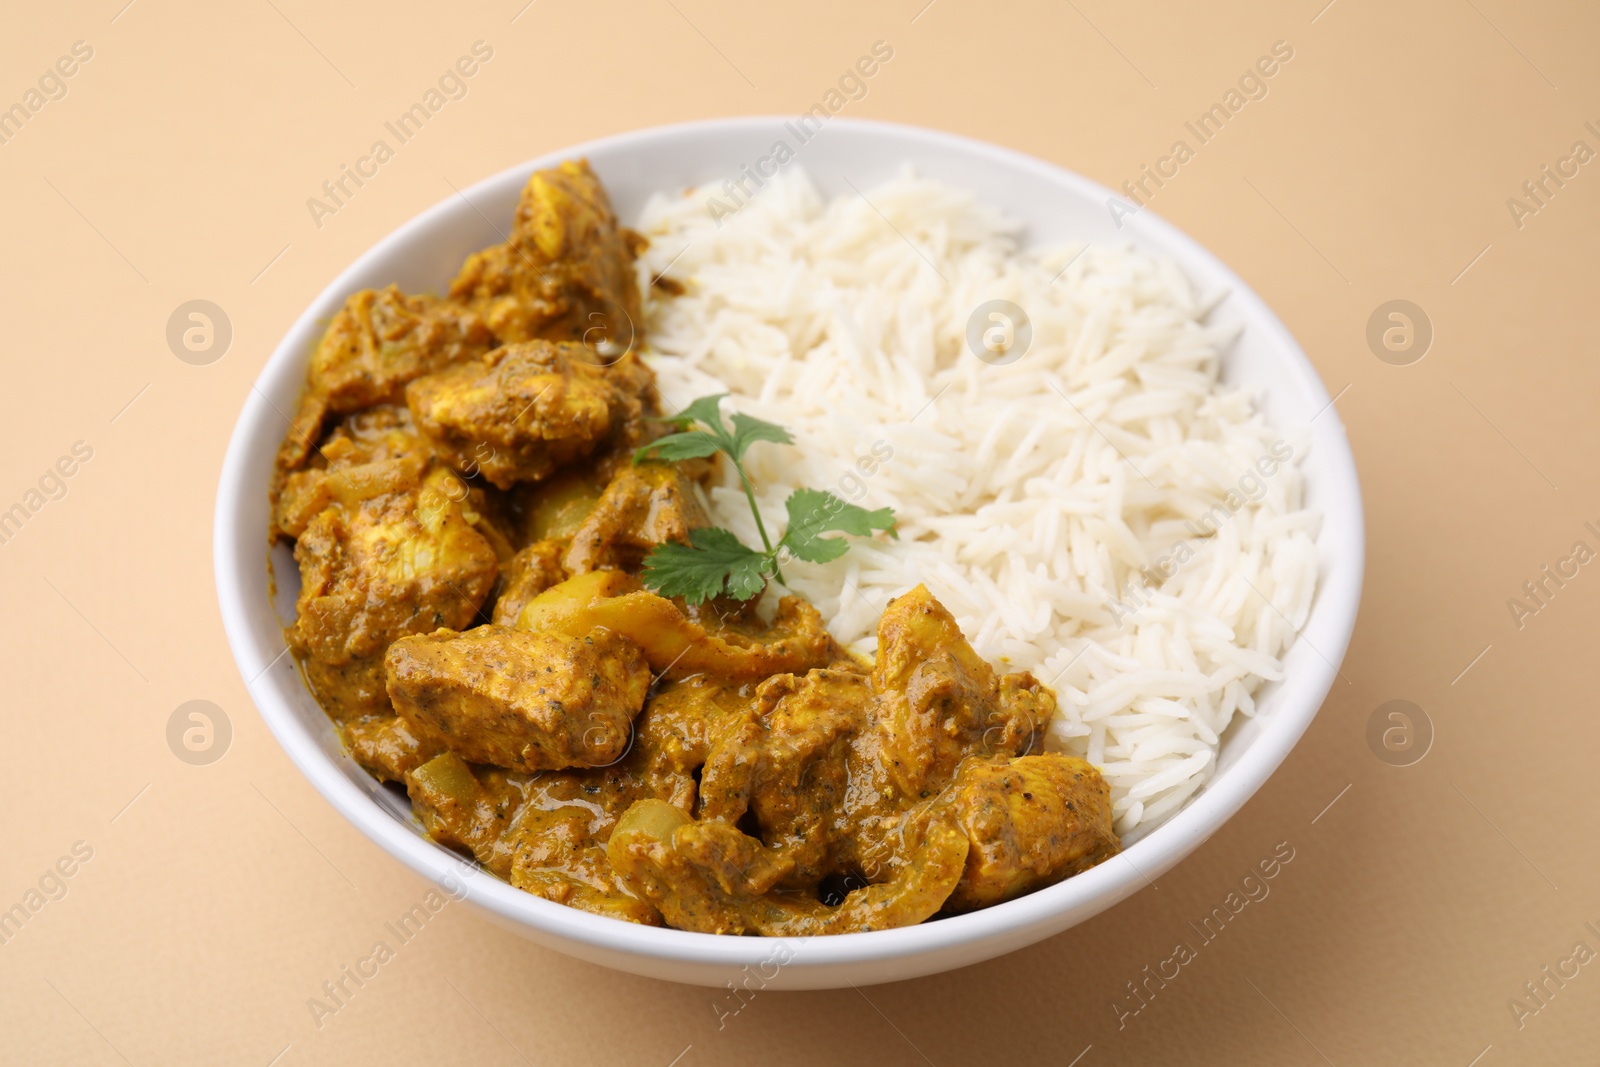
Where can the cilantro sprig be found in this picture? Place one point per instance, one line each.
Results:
(715, 561)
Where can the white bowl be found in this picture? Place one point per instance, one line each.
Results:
(1056, 206)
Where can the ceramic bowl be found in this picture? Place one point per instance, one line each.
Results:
(1055, 206)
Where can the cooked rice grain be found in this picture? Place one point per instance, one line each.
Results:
(1029, 495)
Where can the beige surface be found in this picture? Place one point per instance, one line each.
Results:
(1378, 167)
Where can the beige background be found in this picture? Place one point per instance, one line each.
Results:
(220, 897)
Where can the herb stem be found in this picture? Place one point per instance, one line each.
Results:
(761, 527)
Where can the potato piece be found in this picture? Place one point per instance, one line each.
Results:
(562, 608)
(672, 643)
(555, 508)
(530, 572)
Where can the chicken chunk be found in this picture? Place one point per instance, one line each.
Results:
(674, 735)
(377, 342)
(940, 702)
(519, 700)
(388, 560)
(565, 273)
(368, 453)
(702, 876)
(524, 411)
(374, 452)
(642, 507)
(384, 746)
(707, 876)
(1031, 821)
(382, 339)
(786, 763)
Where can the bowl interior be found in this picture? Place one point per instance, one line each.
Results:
(1055, 206)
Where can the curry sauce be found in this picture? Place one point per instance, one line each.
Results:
(460, 485)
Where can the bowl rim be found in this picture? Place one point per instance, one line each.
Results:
(1044, 911)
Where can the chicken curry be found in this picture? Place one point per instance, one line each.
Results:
(471, 519)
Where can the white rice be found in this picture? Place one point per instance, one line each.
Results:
(1028, 495)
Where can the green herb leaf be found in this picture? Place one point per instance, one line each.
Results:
(814, 512)
(691, 444)
(747, 430)
(707, 410)
(715, 559)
